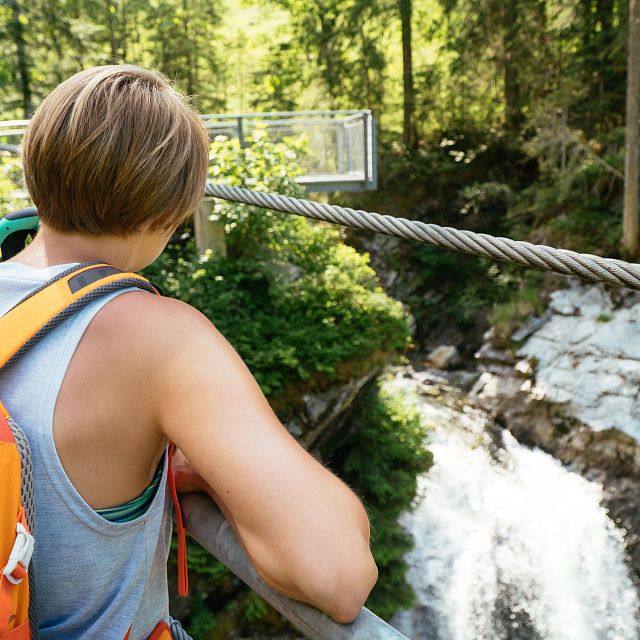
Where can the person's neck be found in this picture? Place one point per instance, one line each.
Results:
(51, 247)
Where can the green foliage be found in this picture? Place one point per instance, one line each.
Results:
(180, 43)
(62, 38)
(264, 166)
(255, 607)
(380, 460)
(279, 78)
(287, 330)
(524, 300)
(488, 202)
(12, 195)
(521, 107)
(594, 228)
(455, 291)
(290, 296)
(341, 41)
(577, 202)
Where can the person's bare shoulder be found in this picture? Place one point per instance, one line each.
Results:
(305, 531)
(132, 344)
(147, 328)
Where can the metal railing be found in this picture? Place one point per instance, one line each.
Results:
(11, 132)
(209, 527)
(339, 147)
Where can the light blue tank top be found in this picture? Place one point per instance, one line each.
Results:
(93, 578)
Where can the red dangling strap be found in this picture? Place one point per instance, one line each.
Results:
(183, 577)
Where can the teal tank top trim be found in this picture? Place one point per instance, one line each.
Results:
(136, 507)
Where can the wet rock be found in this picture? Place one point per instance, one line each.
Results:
(588, 356)
(609, 456)
(323, 413)
(580, 300)
(427, 376)
(530, 326)
(413, 324)
(524, 368)
(463, 380)
(443, 357)
(389, 279)
(491, 389)
(429, 390)
(489, 354)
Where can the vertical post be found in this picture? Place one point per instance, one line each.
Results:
(209, 234)
(348, 152)
(631, 232)
(365, 148)
(374, 153)
(243, 144)
(340, 137)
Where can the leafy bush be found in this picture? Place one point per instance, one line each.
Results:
(455, 293)
(12, 196)
(484, 206)
(577, 203)
(590, 228)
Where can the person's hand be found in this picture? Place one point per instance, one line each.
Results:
(188, 480)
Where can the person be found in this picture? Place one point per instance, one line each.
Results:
(115, 160)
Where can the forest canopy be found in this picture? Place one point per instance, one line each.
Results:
(489, 63)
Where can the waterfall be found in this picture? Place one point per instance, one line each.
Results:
(509, 544)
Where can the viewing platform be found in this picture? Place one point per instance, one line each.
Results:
(340, 146)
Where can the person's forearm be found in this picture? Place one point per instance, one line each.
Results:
(341, 597)
(338, 591)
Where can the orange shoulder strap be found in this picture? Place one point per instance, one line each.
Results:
(43, 309)
(162, 631)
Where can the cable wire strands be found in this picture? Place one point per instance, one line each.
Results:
(588, 267)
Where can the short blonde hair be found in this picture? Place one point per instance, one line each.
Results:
(115, 149)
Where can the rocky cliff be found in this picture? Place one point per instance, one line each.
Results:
(570, 385)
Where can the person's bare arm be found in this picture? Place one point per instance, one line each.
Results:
(305, 531)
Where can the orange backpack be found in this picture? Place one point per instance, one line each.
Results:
(20, 328)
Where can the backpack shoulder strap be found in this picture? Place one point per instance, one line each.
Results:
(47, 306)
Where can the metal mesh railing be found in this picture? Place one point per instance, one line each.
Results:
(338, 146)
(11, 132)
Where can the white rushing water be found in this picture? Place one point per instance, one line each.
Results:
(509, 545)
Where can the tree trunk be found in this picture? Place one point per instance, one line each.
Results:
(51, 20)
(112, 17)
(409, 133)
(630, 228)
(17, 33)
(188, 48)
(512, 93)
(125, 32)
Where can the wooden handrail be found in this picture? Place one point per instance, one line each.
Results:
(208, 526)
